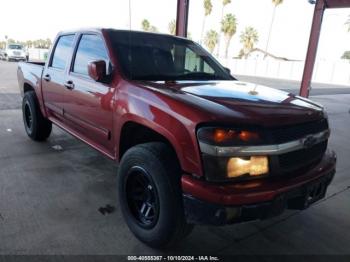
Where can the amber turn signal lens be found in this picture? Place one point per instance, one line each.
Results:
(248, 136)
(223, 135)
(254, 166)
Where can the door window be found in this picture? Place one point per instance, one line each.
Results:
(91, 48)
(62, 52)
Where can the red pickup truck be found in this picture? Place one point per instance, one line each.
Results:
(195, 145)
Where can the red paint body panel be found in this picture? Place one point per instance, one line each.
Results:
(97, 112)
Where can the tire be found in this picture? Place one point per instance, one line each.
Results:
(36, 126)
(150, 195)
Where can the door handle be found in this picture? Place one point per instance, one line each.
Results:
(47, 78)
(69, 85)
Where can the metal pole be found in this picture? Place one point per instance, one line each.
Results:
(312, 48)
(182, 17)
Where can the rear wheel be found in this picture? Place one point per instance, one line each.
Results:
(150, 194)
(37, 127)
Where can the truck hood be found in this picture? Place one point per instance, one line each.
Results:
(236, 100)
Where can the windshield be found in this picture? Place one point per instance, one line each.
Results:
(18, 47)
(155, 57)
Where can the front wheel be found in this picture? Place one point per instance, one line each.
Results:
(37, 127)
(150, 195)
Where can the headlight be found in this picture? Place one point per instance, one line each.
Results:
(218, 168)
(253, 166)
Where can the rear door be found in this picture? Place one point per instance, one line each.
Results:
(54, 76)
(88, 104)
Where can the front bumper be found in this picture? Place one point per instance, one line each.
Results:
(17, 57)
(220, 204)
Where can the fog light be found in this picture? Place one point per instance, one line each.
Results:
(254, 166)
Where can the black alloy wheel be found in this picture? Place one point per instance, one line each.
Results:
(142, 197)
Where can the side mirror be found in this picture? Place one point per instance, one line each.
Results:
(228, 70)
(97, 70)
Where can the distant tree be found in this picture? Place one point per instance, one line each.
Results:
(10, 41)
(48, 43)
(249, 38)
(20, 43)
(275, 3)
(224, 3)
(39, 43)
(347, 23)
(29, 43)
(211, 39)
(208, 7)
(228, 27)
(172, 27)
(2, 44)
(146, 25)
(153, 29)
(346, 55)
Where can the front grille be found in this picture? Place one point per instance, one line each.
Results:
(296, 159)
(289, 133)
(299, 161)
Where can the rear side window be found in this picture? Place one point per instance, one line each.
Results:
(91, 48)
(62, 52)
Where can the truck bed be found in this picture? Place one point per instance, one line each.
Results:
(29, 72)
(35, 63)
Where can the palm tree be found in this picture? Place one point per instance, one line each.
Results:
(275, 3)
(249, 37)
(228, 27)
(146, 25)
(211, 39)
(346, 55)
(224, 3)
(172, 27)
(208, 7)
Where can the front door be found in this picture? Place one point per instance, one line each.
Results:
(54, 76)
(88, 104)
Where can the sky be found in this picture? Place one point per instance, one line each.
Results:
(33, 19)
